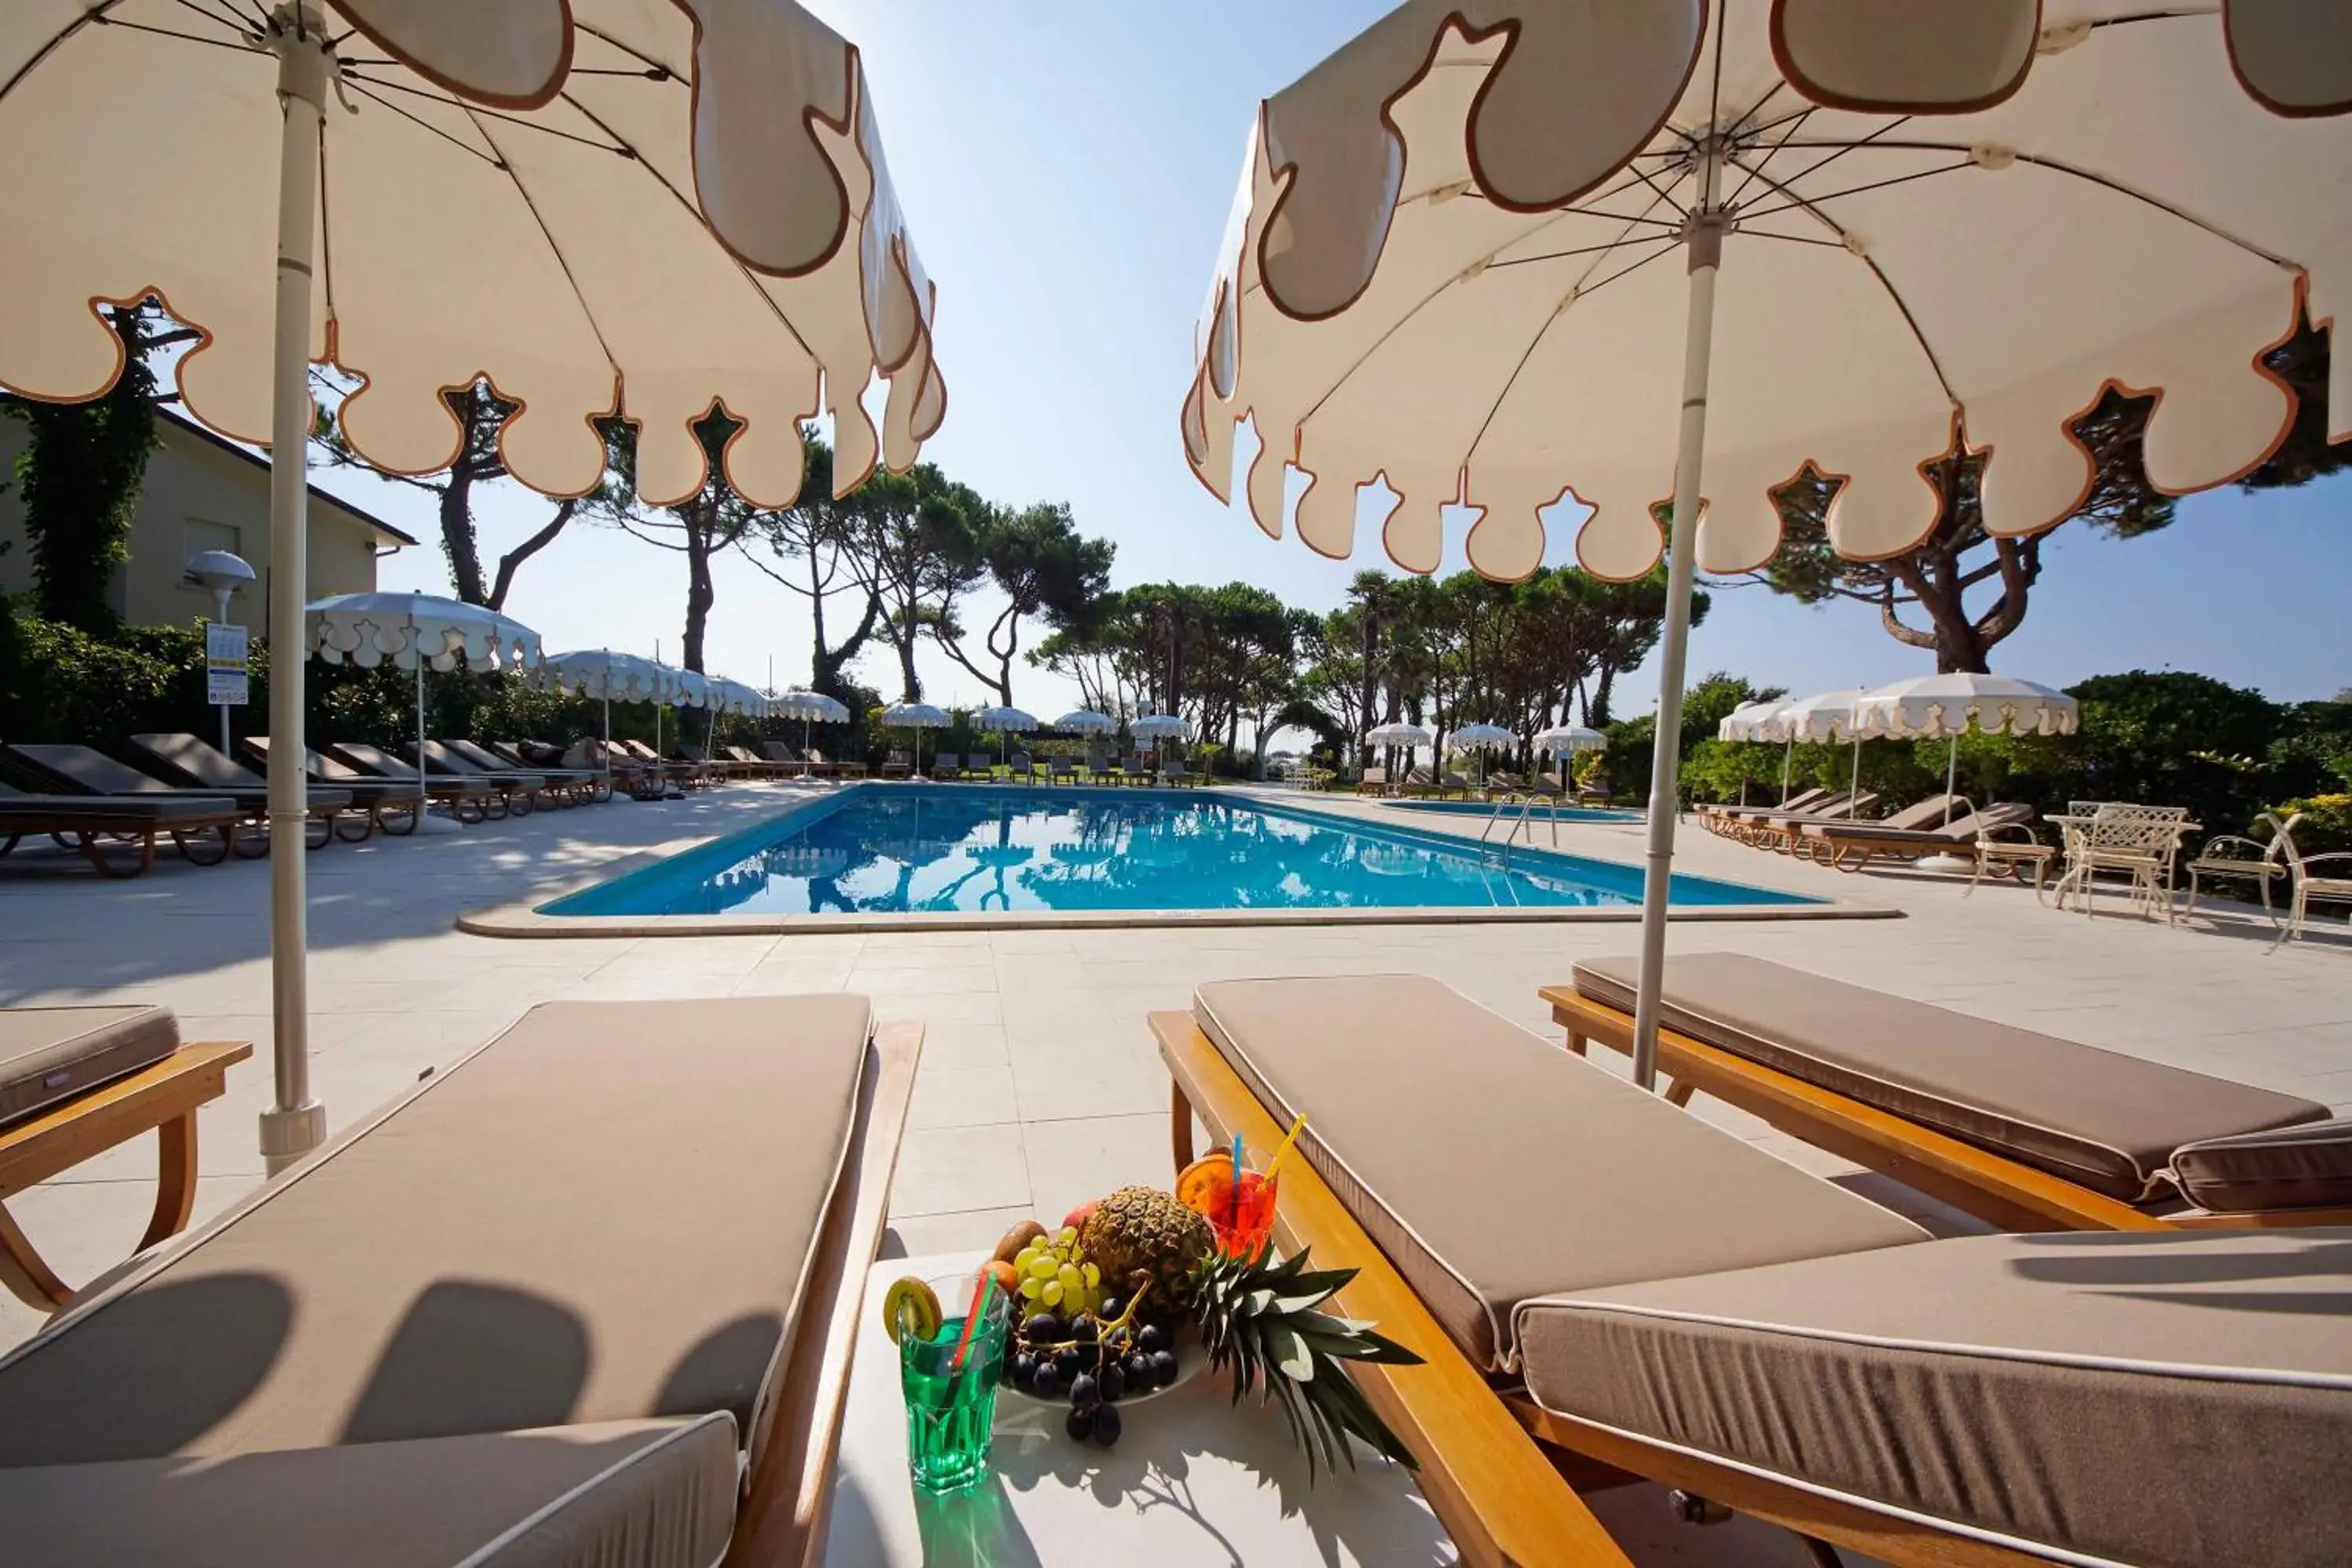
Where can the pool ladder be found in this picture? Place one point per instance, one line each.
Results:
(1517, 808)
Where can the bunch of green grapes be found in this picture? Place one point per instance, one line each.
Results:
(1054, 1277)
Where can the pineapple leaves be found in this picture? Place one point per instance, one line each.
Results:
(1258, 1317)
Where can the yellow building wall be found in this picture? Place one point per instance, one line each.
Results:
(198, 497)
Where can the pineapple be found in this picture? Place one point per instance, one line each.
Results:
(1259, 1318)
(1141, 1236)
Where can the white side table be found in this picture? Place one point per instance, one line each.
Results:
(1194, 1480)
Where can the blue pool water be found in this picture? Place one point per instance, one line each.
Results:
(888, 848)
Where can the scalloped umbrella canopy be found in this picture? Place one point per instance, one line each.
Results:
(1749, 722)
(1566, 740)
(1484, 735)
(1011, 720)
(1467, 247)
(1825, 718)
(603, 674)
(602, 206)
(809, 705)
(370, 629)
(1152, 726)
(1399, 735)
(1939, 705)
(1085, 721)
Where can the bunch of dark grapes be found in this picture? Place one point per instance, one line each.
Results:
(1094, 1361)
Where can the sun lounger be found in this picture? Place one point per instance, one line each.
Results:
(1374, 781)
(566, 786)
(1727, 818)
(841, 769)
(1176, 773)
(2172, 1401)
(1851, 845)
(71, 768)
(1465, 1180)
(75, 1082)
(1450, 781)
(947, 767)
(751, 764)
(390, 806)
(2026, 1131)
(685, 774)
(895, 765)
(1779, 829)
(467, 800)
(571, 1289)
(521, 791)
(1066, 770)
(1846, 1392)
(105, 829)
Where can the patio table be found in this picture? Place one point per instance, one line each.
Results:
(1194, 1478)
(2072, 828)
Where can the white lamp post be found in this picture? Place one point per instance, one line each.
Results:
(223, 574)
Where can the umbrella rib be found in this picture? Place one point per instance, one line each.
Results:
(2057, 166)
(360, 86)
(81, 19)
(1795, 123)
(104, 21)
(1666, 245)
(562, 264)
(679, 196)
(1918, 333)
(477, 113)
(668, 72)
(232, 18)
(1792, 205)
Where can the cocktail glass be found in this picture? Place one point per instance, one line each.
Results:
(1247, 1223)
(950, 1408)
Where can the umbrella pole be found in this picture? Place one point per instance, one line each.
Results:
(1854, 786)
(1952, 764)
(1704, 239)
(1787, 751)
(295, 1122)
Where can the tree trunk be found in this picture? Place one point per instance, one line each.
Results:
(699, 591)
(513, 558)
(458, 527)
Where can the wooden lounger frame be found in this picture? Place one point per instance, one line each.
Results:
(1993, 1187)
(782, 1521)
(163, 1096)
(1502, 1473)
(93, 834)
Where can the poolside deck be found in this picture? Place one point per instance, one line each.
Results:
(1040, 1085)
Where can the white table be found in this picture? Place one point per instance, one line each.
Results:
(1194, 1480)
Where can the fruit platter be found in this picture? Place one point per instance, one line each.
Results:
(1139, 1290)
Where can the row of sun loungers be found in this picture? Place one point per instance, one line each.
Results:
(1827, 828)
(438, 1323)
(2156, 1370)
(211, 805)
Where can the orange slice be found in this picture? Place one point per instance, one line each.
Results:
(1206, 1185)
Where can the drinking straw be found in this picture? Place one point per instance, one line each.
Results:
(1288, 1140)
(980, 1300)
(1235, 1222)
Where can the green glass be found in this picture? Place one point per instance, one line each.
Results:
(950, 1411)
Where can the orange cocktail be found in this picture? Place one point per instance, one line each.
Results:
(1240, 1212)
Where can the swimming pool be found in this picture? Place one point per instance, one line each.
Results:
(899, 849)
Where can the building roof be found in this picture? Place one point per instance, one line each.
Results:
(179, 421)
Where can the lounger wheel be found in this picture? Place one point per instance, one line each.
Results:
(521, 805)
(399, 821)
(1692, 1509)
(320, 832)
(346, 821)
(239, 839)
(209, 856)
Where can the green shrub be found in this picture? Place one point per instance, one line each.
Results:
(2327, 824)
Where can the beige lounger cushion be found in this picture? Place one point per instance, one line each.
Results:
(2104, 1120)
(2308, 1166)
(607, 1213)
(1491, 1165)
(50, 1054)
(627, 1494)
(2181, 1399)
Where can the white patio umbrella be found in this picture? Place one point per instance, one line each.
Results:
(1752, 721)
(1826, 718)
(808, 707)
(454, 178)
(1156, 727)
(1937, 228)
(729, 696)
(411, 631)
(609, 678)
(1008, 722)
(1087, 721)
(1479, 737)
(917, 717)
(1410, 736)
(1566, 741)
(1952, 705)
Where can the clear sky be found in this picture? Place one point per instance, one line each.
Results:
(1067, 169)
